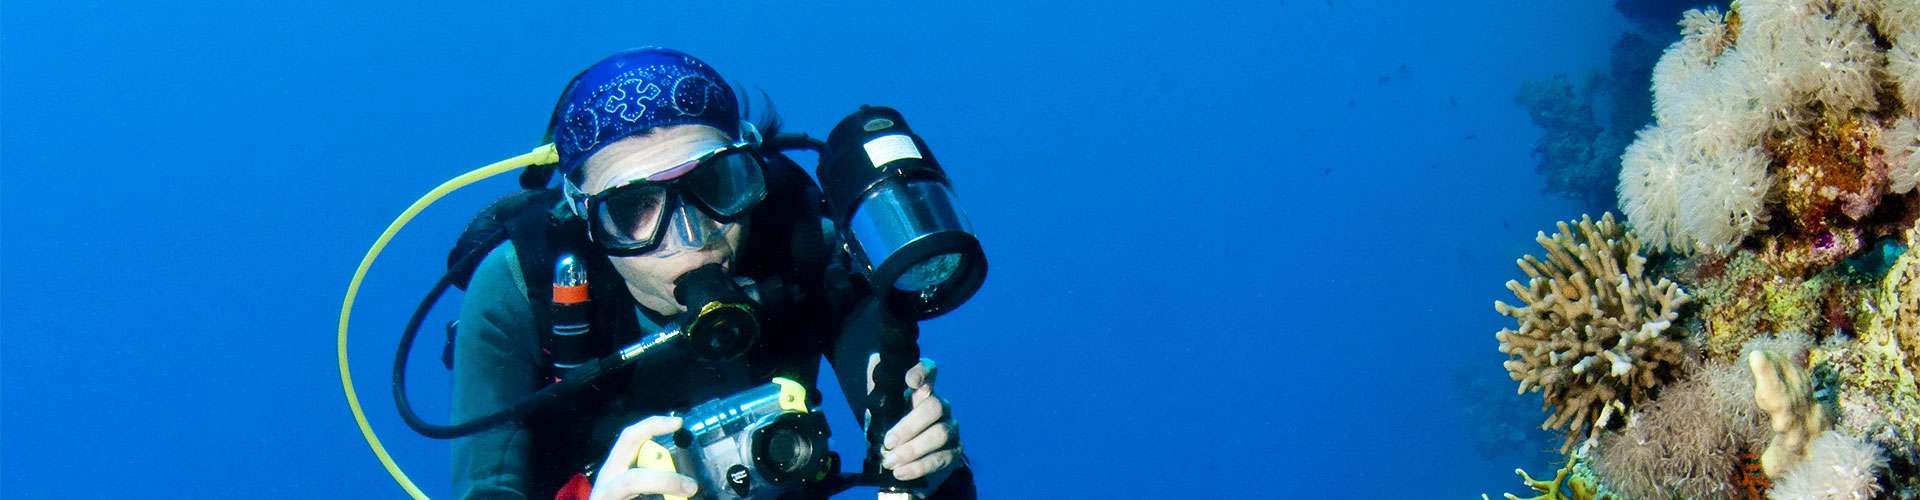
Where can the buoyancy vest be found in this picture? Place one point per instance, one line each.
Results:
(785, 240)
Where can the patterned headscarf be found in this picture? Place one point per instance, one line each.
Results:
(634, 91)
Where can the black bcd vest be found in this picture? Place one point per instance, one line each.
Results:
(785, 239)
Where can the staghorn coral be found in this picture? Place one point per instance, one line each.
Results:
(1783, 389)
(1837, 467)
(1593, 334)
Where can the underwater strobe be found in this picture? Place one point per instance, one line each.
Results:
(897, 213)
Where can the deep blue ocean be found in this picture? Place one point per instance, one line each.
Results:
(1238, 250)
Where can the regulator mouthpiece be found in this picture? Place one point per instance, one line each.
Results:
(899, 216)
(721, 321)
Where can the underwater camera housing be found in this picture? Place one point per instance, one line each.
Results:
(897, 214)
(762, 443)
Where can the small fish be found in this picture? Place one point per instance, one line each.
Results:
(1471, 136)
(1326, 171)
(1385, 79)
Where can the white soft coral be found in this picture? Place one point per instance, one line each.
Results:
(1903, 64)
(1839, 60)
(1837, 467)
(1901, 144)
(1722, 200)
(1697, 179)
(1649, 183)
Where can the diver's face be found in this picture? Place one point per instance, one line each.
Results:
(650, 276)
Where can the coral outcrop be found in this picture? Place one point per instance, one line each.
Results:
(1594, 331)
(1784, 391)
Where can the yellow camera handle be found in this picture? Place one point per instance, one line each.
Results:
(543, 155)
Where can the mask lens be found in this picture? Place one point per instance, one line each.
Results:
(630, 217)
(729, 184)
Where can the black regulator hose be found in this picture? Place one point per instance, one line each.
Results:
(572, 383)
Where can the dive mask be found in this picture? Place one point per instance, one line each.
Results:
(632, 218)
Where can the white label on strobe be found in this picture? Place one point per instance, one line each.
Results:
(888, 148)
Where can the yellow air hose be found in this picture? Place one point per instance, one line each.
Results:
(542, 155)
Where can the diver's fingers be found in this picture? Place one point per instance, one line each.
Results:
(626, 448)
(929, 465)
(922, 374)
(636, 482)
(921, 394)
(917, 425)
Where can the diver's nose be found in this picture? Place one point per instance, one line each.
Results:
(690, 227)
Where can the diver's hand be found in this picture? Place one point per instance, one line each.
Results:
(926, 441)
(618, 479)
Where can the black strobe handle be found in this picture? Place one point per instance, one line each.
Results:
(897, 342)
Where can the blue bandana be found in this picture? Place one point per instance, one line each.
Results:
(634, 91)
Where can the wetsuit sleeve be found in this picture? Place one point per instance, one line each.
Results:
(494, 365)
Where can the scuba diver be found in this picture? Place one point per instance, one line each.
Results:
(665, 195)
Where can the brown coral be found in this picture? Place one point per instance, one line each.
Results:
(1593, 334)
(1832, 175)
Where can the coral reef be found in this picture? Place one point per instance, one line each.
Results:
(1587, 128)
(1837, 467)
(1570, 483)
(1779, 184)
(1593, 331)
(1566, 152)
(1496, 418)
(1784, 391)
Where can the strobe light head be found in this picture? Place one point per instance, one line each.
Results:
(896, 211)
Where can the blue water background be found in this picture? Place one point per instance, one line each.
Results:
(1238, 249)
